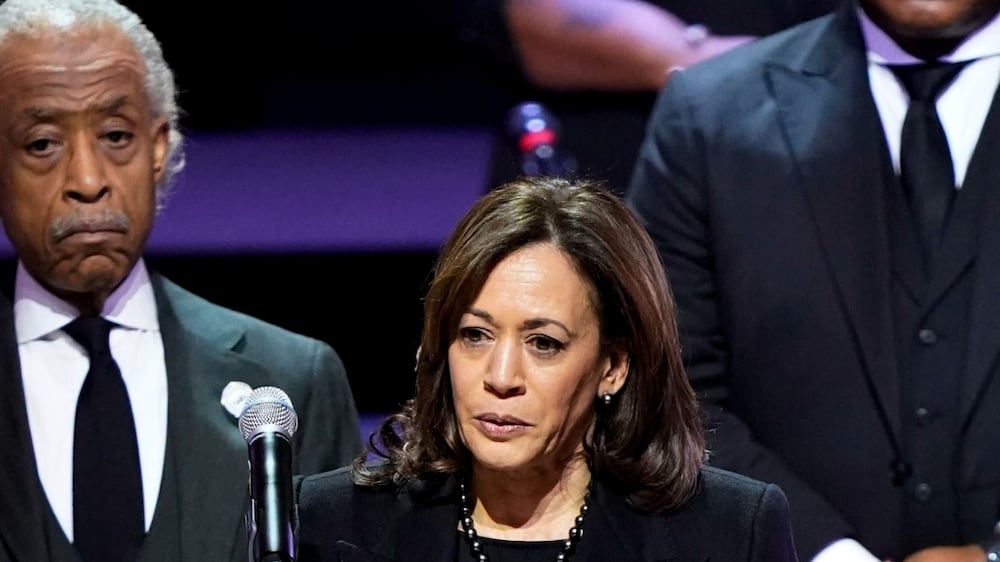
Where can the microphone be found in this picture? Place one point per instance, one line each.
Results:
(268, 422)
(534, 131)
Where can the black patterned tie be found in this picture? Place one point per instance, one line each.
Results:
(926, 170)
(108, 516)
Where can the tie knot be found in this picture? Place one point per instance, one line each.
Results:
(91, 332)
(924, 82)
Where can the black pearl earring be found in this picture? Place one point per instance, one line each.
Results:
(606, 398)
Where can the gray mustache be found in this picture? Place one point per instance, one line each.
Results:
(89, 221)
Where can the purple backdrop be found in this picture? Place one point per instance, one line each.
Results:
(306, 191)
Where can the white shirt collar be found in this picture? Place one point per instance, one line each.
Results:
(984, 42)
(37, 312)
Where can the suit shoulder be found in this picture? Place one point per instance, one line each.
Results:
(333, 508)
(317, 492)
(729, 481)
(201, 314)
(751, 515)
(721, 488)
(734, 70)
(336, 489)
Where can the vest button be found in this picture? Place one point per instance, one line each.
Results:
(922, 492)
(923, 416)
(927, 337)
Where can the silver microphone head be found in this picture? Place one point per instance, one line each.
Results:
(268, 406)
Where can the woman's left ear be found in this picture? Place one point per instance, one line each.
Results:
(616, 371)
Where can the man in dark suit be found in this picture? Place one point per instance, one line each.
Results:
(845, 345)
(122, 390)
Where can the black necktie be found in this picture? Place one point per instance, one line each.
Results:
(926, 170)
(108, 517)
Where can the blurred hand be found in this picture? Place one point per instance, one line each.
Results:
(968, 553)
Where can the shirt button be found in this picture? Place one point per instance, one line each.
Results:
(927, 337)
(922, 492)
(923, 416)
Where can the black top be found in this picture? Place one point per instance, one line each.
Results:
(510, 551)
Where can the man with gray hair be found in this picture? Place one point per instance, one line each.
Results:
(116, 446)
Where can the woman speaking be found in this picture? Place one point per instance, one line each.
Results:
(552, 418)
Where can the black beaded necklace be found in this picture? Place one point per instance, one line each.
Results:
(476, 546)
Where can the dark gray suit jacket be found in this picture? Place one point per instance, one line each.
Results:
(730, 519)
(762, 182)
(203, 497)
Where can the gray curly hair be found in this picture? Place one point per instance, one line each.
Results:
(32, 16)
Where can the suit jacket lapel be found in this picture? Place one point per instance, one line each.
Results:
(23, 505)
(428, 530)
(428, 534)
(834, 135)
(961, 244)
(984, 327)
(210, 453)
(630, 537)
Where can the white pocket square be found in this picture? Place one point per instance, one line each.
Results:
(234, 397)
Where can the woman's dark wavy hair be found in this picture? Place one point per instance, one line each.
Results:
(648, 443)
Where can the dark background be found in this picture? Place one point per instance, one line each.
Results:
(360, 64)
(313, 64)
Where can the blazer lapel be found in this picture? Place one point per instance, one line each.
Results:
(629, 536)
(22, 503)
(835, 138)
(984, 327)
(210, 452)
(428, 534)
(961, 244)
(427, 530)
